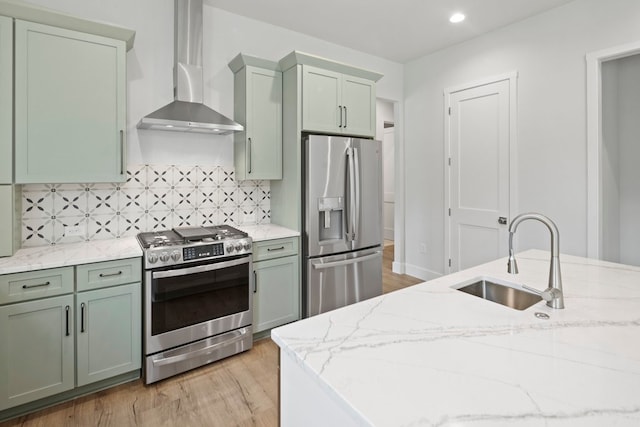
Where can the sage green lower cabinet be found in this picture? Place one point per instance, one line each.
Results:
(109, 337)
(68, 331)
(277, 293)
(276, 268)
(36, 350)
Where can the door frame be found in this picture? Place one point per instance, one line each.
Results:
(594, 62)
(512, 78)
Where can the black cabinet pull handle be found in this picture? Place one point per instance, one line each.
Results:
(122, 152)
(111, 274)
(275, 249)
(82, 306)
(39, 285)
(345, 117)
(255, 282)
(66, 309)
(250, 162)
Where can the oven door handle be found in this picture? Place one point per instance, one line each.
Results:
(239, 336)
(200, 268)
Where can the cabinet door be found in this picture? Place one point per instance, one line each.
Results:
(277, 293)
(9, 219)
(108, 332)
(321, 95)
(264, 124)
(359, 103)
(6, 100)
(69, 106)
(36, 350)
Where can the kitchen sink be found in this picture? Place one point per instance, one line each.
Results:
(506, 295)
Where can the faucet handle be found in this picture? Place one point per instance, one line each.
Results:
(548, 294)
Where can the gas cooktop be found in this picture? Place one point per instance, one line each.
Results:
(188, 244)
(185, 235)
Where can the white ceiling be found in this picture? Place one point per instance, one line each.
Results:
(398, 30)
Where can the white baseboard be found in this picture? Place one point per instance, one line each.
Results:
(397, 267)
(420, 273)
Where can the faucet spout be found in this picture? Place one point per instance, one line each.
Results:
(555, 280)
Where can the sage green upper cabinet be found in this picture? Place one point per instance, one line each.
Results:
(337, 103)
(257, 106)
(6, 100)
(69, 106)
(359, 106)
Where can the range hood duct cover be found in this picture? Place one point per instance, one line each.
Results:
(187, 113)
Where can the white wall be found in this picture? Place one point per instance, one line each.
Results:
(150, 62)
(548, 52)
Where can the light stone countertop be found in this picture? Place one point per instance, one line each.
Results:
(430, 355)
(267, 232)
(41, 257)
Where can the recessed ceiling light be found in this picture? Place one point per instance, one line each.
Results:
(456, 17)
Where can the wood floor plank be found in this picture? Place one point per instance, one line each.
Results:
(241, 390)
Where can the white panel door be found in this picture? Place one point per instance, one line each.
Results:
(479, 174)
(388, 160)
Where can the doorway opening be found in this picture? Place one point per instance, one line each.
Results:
(613, 105)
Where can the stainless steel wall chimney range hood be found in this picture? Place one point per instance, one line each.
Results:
(187, 113)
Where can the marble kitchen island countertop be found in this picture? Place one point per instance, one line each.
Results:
(430, 355)
(41, 257)
(267, 232)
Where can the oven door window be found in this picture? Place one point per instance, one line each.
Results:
(194, 295)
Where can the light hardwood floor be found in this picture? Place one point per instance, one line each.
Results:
(238, 391)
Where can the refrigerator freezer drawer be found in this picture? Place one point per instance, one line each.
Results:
(340, 280)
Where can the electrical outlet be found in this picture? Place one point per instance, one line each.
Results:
(423, 248)
(74, 230)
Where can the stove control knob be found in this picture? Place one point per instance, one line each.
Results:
(176, 255)
(246, 245)
(164, 256)
(238, 246)
(230, 248)
(152, 258)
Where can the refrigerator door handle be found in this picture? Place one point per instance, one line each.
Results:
(347, 261)
(351, 196)
(356, 213)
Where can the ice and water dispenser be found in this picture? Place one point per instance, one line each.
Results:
(331, 211)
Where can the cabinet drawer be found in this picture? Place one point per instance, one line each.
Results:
(108, 273)
(35, 284)
(269, 249)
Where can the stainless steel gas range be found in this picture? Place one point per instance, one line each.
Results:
(198, 297)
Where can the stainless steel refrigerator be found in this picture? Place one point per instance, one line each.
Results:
(342, 222)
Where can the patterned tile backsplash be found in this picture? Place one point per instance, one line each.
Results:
(154, 197)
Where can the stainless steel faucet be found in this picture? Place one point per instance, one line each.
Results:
(553, 294)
